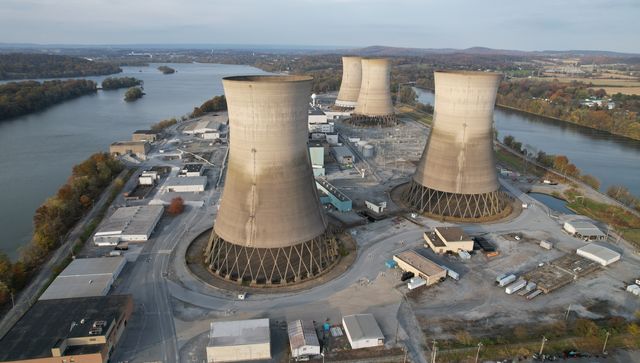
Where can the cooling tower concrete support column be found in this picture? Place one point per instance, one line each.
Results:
(351, 80)
(374, 100)
(456, 175)
(270, 227)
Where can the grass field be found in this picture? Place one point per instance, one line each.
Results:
(410, 112)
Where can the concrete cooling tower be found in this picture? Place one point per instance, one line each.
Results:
(456, 175)
(270, 228)
(350, 86)
(374, 106)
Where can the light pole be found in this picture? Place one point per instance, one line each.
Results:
(478, 352)
(542, 347)
(433, 352)
(604, 347)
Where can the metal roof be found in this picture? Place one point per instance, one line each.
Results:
(131, 220)
(452, 234)
(585, 228)
(419, 262)
(93, 266)
(362, 326)
(189, 180)
(302, 333)
(600, 252)
(239, 332)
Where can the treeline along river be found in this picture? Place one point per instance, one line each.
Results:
(614, 160)
(38, 150)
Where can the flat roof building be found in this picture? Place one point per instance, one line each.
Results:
(448, 239)
(362, 331)
(421, 266)
(68, 330)
(334, 196)
(209, 123)
(130, 224)
(239, 340)
(85, 277)
(144, 135)
(192, 184)
(599, 254)
(343, 155)
(192, 169)
(136, 148)
(303, 339)
(317, 116)
(584, 230)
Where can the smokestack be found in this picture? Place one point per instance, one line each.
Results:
(374, 100)
(270, 227)
(456, 176)
(351, 79)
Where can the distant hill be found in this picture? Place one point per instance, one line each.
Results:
(32, 65)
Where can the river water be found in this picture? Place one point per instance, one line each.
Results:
(614, 160)
(38, 150)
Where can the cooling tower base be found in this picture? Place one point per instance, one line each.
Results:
(338, 108)
(270, 266)
(485, 206)
(373, 121)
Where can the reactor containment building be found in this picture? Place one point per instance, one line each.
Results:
(456, 175)
(374, 106)
(350, 85)
(270, 227)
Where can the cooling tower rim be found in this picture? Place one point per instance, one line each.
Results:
(351, 56)
(373, 59)
(260, 78)
(469, 73)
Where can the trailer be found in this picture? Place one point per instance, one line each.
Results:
(527, 289)
(546, 245)
(416, 282)
(454, 275)
(534, 294)
(507, 280)
(500, 277)
(515, 286)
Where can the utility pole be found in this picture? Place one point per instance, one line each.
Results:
(478, 352)
(566, 315)
(542, 347)
(604, 347)
(433, 352)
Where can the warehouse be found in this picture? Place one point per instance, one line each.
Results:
(239, 340)
(133, 224)
(331, 194)
(584, 230)
(194, 184)
(448, 239)
(303, 339)
(135, 148)
(85, 277)
(317, 116)
(343, 155)
(362, 331)
(599, 254)
(144, 135)
(412, 261)
(206, 124)
(68, 330)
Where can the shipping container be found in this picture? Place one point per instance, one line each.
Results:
(391, 264)
(534, 294)
(546, 244)
(500, 277)
(507, 280)
(416, 282)
(454, 275)
(515, 286)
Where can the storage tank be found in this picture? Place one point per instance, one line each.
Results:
(270, 227)
(367, 151)
(374, 106)
(456, 175)
(351, 80)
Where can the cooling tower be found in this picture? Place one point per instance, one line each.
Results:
(351, 79)
(270, 227)
(374, 106)
(456, 175)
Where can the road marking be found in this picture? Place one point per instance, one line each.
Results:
(164, 252)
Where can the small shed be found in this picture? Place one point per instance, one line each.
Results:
(239, 340)
(303, 339)
(362, 331)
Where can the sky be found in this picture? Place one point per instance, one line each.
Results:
(503, 24)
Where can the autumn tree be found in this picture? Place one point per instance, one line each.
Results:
(176, 206)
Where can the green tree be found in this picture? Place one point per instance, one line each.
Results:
(133, 94)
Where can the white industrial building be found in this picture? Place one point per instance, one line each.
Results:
(362, 331)
(317, 116)
(85, 277)
(148, 177)
(193, 184)
(303, 339)
(343, 155)
(192, 169)
(129, 224)
(599, 254)
(239, 340)
(206, 125)
(584, 230)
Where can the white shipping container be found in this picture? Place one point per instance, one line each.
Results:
(546, 244)
(507, 280)
(500, 277)
(515, 286)
(416, 282)
(454, 275)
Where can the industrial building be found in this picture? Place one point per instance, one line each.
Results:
(374, 106)
(177, 184)
(148, 177)
(303, 339)
(343, 155)
(270, 227)
(129, 224)
(144, 135)
(448, 239)
(68, 330)
(350, 86)
(329, 194)
(332, 138)
(191, 169)
(85, 277)
(207, 124)
(316, 154)
(239, 340)
(412, 261)
(138, 149)
(584, 230)
(600, 254)
(362, 331)
(456, 175)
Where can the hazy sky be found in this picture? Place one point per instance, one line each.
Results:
(507, 24)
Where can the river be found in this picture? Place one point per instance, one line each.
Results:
(614, 160)
(39, 150)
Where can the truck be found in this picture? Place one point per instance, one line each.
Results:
(515, 286)
(507, 280)
(546, 244)
(500, 277)
(416, 282)
(454, 275)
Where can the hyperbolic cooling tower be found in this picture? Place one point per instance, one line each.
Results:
(270, 227)
(351, 79)
(374, 105)
(456, 175)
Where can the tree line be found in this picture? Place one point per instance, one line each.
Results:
(55, 218)
(31, 65)
(217, 103)
(21, 98)
(110, 83)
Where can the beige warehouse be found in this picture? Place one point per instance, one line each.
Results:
(412, 261)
